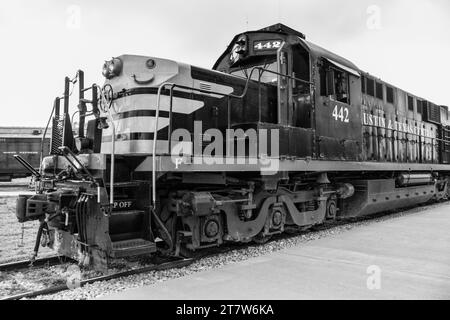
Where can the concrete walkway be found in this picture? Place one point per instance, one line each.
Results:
(402, 258)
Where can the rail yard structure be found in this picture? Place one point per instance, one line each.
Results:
(23, 141)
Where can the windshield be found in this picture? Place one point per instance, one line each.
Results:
(266, 77)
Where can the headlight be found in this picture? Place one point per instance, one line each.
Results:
(239, 49)
(112, 68)
(47, 164)
(105, 71)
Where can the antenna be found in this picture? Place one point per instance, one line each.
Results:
(246, 21)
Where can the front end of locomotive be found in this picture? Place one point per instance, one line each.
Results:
(96, 196)
(93, 198)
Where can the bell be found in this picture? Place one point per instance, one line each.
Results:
(102, 123)
(323, 179)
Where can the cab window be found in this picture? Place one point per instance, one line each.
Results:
(334, 83)
(269, 63)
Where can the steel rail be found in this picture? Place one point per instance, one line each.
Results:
(55, 289)
(23, 264)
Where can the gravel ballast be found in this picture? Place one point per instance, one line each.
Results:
(13, 247)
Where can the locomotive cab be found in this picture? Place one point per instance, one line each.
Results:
(279, 56)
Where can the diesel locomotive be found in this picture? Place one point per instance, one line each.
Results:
(280, 135)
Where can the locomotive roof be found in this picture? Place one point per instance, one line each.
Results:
(280, 28)
(315, 49)
(324, 53)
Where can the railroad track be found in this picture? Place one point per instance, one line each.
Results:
(48, 261)
(55, 260)
(178, 263)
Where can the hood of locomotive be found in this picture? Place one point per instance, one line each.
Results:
(135, 86)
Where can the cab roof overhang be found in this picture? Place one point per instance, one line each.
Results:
(315, 50)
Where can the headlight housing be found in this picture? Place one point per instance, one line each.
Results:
(240, 49)
(112, 68)
(47, 164)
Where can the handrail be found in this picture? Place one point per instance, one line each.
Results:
(41, 156)
(155, 139)
(107, 109)
(113, 153)
(28, 166)
(173, 86)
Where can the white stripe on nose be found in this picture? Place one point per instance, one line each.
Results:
(137, 124)
(149, 102)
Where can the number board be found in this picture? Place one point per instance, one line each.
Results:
(267, 45)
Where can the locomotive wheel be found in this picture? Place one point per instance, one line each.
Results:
(331, 209)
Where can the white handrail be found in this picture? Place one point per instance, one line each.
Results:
(113, 141)
(155, 139)
(113, 150)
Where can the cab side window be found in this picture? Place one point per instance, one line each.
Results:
(341, 85)
(334, 83)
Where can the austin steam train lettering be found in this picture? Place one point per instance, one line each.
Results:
(381, 122)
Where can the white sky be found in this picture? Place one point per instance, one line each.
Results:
(407, 44)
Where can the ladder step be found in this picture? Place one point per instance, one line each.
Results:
(127, 212)
(132, 247)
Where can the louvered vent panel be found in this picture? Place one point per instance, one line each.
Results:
(435, 114)
(432, 112)
(205, 86)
